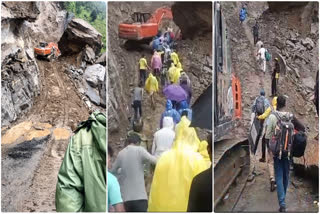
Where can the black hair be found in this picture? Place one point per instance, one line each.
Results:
(110, 151)
(143, 55)
(184, 113)
(281, 102)
(134, 139)
(140, 84)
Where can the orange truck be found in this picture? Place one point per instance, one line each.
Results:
(144, 25)
(47, 51)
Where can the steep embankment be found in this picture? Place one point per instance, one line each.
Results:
(194, 52)
(289, 31)
(42, 101)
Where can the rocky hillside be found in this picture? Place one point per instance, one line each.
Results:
(289, 32)
(194, 50)
(42, 100)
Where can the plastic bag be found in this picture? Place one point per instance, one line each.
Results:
(175, 171)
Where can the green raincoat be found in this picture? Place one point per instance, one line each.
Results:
(81, 183)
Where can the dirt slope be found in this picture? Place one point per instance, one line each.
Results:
(274, 27)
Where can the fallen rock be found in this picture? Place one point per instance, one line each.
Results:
(309, 82)
(93, 95)
(95, 73)
(88, 55)
(78, 34)
(307, 42)
(289, 43)
(102, 59)
(16, 132)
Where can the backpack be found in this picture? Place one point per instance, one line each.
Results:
(282, 138)
(299, 144)
(259, 105)
(267, 55)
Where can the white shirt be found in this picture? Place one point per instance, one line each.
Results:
(262, 53)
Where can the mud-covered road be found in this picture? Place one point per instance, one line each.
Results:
(30, 167)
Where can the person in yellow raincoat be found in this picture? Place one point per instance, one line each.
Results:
(151, 87)
(177, 73)
(175, 170)
(175, 58)
(171, 73)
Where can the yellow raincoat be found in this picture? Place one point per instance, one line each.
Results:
(175, 170)
(204, 152)
(174, 57)
(268, 110)
(171, 72)
(151, 84)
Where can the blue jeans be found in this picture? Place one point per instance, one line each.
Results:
(281, 168)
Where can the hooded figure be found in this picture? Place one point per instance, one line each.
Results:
(171, 73)
(185, 107)
(163, 138)
(170, 112)
(151, 84)
(175, 170)
(156, 61)
(175, 58)
(81, 185)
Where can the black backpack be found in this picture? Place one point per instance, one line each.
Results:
(299, 144)
(282, 137)
(259, 105)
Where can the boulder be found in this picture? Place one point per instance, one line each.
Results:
(95, 74)
(77, 36)
(289, 43)
(309, 82)
(102, 59)
(88, 55)
(93, 94)
(307, 42)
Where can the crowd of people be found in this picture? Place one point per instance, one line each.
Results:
(178, 162)
(282, 135)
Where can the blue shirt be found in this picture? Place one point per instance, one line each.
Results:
(114, 194)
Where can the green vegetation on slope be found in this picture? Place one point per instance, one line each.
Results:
(94, 12)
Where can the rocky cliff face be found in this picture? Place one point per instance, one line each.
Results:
(24, 26)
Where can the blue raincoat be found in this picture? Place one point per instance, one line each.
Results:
(170, 112)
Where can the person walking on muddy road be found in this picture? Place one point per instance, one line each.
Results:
(143, 66)
(265, 143)
(170, 112)
(262, 58)
(275, 77)
(163, 138)
(137, 101)
(280, 124)
(156, 64)
(258, 108)
(130, 162)
(152, 87)
(255, 31)
(243, 14)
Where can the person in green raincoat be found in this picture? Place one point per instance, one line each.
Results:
(81, 185)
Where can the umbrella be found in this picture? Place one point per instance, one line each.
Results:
(175, 92)
(202, 110)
